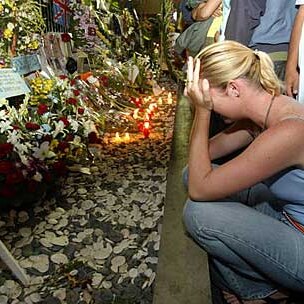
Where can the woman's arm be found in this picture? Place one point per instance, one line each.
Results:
(292, 74)
(235, 137)
(274, 150)
(206, 9)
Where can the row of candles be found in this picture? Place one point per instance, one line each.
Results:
(144, 125)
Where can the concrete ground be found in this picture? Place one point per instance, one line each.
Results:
(182, 275)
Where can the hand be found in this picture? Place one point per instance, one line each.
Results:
(197, 89)
(217, 12)
(291, 82)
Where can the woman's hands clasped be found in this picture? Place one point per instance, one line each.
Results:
(196, 89)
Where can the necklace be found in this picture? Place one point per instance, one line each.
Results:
(268, 111)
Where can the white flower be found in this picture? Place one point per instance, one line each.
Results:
(14, 137)
(23, 109)
(59, 127)
(77, 141)
(10, 26)
(89, 127)
(3, 114)
(3, 102)
(74, 125)
(43, 151)
(5, 126)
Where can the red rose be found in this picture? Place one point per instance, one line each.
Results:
(47, 176)
(65, 37)
(76, 92)
(32, 126)
(14, 178)
(62, 146)
(69, 137)
(42, 108)
(63, 77)
(60, 168)
(48, 138)
(73, 82)
(65, 121)
(5, 149)
(6, 167)
(72, 101)
(32, 186)
(80, 111)
(15, 127)
(7, 192)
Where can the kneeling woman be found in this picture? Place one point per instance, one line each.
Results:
(248, 213)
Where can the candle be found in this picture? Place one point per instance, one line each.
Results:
(117, 137)
(127, 137)
(146, 129)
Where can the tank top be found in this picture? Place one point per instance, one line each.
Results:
(288, 185)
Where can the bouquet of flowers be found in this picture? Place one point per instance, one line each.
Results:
(21, 22)
(48, 131)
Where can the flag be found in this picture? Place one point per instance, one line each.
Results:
(60, 11)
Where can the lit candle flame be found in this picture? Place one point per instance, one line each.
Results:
(127, 136)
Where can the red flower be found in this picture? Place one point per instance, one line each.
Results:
(7, 192)
(47, 137)
(72, 101)
(76, 92)
(60, 168)
(15, 127)
(47, 176)
(63, 77)
(62, 146)
(14, 178)
(6, 167)
(73, 81)
(32, 126)
(104, 80)
(65, 37)
(69, 137)
(32, 186)
(5, 149)
(65, 121)
(42, 108)
(80, 111)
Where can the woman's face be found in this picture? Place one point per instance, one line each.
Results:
(225, 105)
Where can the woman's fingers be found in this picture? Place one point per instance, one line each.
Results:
(206, 89)
(196, 72)
(190, 70)
(207, 97)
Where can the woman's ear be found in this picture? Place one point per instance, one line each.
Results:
(233, 89)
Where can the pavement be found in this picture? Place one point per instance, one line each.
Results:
(182, 271)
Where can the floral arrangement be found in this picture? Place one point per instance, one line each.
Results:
(21, 23)
(50, 130)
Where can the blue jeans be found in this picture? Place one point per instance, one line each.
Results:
(253, 249)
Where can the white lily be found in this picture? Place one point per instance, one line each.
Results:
(43, 151)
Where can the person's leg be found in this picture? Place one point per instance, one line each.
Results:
(252, 253)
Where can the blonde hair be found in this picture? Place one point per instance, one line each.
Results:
(227, 60)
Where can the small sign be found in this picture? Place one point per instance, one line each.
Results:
(11, 84)
(26, 64)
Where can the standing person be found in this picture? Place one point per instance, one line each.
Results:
(294, 79)
(248, 214)
(264, 25)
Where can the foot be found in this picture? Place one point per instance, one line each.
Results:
(232, 299)
(279, 297)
